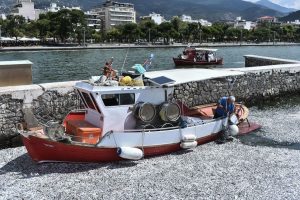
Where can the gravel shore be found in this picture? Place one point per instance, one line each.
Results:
(262, 165)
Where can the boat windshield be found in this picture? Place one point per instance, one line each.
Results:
(118, 99)
(88, 100)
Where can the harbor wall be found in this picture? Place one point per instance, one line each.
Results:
(254, 60)
(15, 73)
(34, 104)
(256, 84)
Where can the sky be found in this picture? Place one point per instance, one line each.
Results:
(286, 3)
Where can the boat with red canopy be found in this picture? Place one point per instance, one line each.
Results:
(198, 57)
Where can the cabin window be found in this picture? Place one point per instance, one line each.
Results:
(82, 99)
(118, 99)
(88, 100)
(95, 103)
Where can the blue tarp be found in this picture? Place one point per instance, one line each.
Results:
(139, 69)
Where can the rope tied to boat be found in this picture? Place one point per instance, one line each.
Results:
(112, 133)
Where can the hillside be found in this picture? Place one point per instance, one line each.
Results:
(207, 9)
(291, 17)
(274, 6)
(212, 10)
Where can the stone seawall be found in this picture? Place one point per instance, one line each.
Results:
(33, 104)
(40, 103)
(257, 83)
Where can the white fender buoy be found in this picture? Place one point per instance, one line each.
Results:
(188, 145)
(233, 119)
(130, 153)
(188, 138)
(233, 130)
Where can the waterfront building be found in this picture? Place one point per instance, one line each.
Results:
(187, 18)
(157, 18)
(38, 12)
(204, 22)
(94, 20)
(53, 8)
(3, 16)
(24, 8)
(267, 19)
(296, 22)
(243, 24)
(114, 13)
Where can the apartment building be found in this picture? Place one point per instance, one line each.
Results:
(94, 20)
(24, 8)
(114, 13)
(157, 18)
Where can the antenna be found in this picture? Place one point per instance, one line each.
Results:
(124, 60)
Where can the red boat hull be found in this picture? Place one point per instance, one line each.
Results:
(43, 150)
(191, 62)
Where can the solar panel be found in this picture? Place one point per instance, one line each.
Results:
(162, 80)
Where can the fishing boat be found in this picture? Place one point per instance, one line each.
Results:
(128, 122)
(198, 57)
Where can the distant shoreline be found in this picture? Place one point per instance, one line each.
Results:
(124, 46)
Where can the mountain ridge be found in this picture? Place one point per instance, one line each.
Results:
(212, 10)
(291, 17)
(276, 7)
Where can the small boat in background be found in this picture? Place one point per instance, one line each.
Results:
(198, 57)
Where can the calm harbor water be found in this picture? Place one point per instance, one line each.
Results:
(53, 66)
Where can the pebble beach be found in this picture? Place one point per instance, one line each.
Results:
(261, 165)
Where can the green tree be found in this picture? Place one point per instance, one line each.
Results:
(148, 28)
(15, 26)
(130, 31)
(166, 30)
(43, 27)
(114, 34)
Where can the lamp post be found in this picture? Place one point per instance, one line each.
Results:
(273, 37)
(149, 36)
(200, 33)
(84, 36)
(0, 36)
(200, 36)
(241, 37)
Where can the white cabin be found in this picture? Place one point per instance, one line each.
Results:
(110, 107)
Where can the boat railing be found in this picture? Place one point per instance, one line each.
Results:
(171, 128)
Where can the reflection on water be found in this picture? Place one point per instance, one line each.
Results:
(51, 66)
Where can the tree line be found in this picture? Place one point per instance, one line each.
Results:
(71, 26)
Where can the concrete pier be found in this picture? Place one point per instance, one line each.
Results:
(15, 73)
(32, 104)
(254, 60)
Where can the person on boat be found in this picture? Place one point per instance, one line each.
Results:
(210, 57)
(108, 71)
(206, 56)
(105, 74)
(225, 108)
